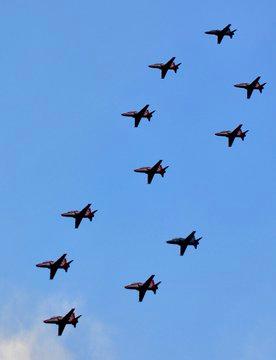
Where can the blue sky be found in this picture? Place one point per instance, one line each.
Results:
(68, 70)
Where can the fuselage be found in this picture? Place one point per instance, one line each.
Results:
(139, 285)
(75, 213)
(147, 169)
(49, 264)
(182, 241)
(134, 114)
(162, 65)
(228, 133)
(59, 319)
(248, 86)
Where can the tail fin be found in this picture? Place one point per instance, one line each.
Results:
(75, 321)
(232, 33)
(91, 215)
(156, 287)
(67, 265)
(149, 116)
(164, 171)
(243, 135)
(176, 67)
(261, 87)
(196, 243)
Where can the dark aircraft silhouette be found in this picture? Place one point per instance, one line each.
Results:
(151, 171)
(221, 33)
(250, 87)
(164, 67)
(138, 115)
(231, 135)
(184, 242)
(61, 263)
(62, 321)
(148, 285)
(79, 215)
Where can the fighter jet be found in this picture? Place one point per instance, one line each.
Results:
(151, 171)
(138, 115)
(221, 33)
(61, 263)
(184, 242)
(164, 67)
(250, 87)
(62, 321)
(231, 135)
(148, 285)
(79, 215)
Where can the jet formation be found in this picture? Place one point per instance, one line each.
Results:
(86, 212)
(138, 115)
(232, 135)
(165, 67)
(62, 321)
(250, 87)
(79, 215)
(142, 288)
(151, 171)
(221, 33)
(185, 242)
(53, 266)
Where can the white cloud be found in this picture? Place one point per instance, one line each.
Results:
(32, 345)
(23, 336)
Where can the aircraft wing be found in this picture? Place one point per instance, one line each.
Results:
(137, 121)
(249, 92)
(220, 37)
(231, 140)
(169, 63)
(183, 249)
(61, 327)
(55, 266)
(78, 221)
(191, 236)
(254, 82)
(150, 177)
(164, 72)
(67, 317)
(142, 111)
(227, 28)
(144, 288)
(53, 271)
(233, 135)
(156, 166)
(153, 171)
(83, 211)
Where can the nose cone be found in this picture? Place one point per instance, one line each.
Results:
(124, 114)
(137, 170)
(66, 214)
(39, 265)
(46, 321)
(218, 134)
(170, 242)
(127, 286)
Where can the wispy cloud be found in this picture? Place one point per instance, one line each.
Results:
(23, 335)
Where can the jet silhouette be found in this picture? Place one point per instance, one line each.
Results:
(60, 263)
(138, 115)
(148, 285)
(62, 321)
(184, 242)
(231, 135)
(250, 87)
(221, 33)
(151, 171)
(164, 67)
(79, 215)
